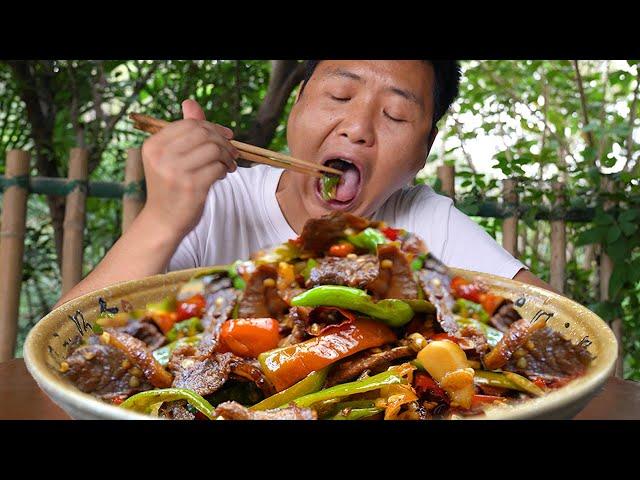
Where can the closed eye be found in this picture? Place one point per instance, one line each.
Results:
(399, 120)
(340, 99)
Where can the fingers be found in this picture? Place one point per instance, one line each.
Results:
(192, 110)
(198, 134)
(205, 154)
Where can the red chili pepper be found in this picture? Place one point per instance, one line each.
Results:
(192, 307)
(287, 365)
(118, 400)
(427, 386)
(341, 249)
(164, 320)
(468, 290)
(391, 233)
(249, 337)
(490, 302)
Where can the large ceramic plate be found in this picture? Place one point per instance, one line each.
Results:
(48, 342)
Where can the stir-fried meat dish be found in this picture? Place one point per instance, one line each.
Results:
(351, 320)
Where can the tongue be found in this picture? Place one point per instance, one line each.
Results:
(348, 186)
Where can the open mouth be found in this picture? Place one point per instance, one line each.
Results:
(340, 190)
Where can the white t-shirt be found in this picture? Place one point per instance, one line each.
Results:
(242, 215)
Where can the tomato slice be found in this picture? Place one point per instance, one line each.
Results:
(192, 307)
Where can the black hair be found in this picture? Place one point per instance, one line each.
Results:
(447, 81)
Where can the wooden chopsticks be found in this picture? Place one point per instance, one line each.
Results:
(248, 152)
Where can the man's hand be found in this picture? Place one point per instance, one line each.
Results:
(181, 162)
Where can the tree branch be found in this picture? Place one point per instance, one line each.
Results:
(632, 120)
(583, 103)
(535, 113)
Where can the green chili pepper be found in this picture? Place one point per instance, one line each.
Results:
(163, 354)
(357, 413)
(391, 311)
(493, 335)
(167, 304)
(236, 279)
(509, 380)
(329, 185)
(524, 384)
(144, 401)
(306, 271)
(186, 328)
(369, 238)
(310, 384)
(420, 305)
(351, 388)
(468, 309)
(418, 262)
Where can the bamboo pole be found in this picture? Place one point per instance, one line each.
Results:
(13, 227)
(132, 202)
(74, 218)
(558, 244)
(510, 224)
(447, 176)
(606, 269)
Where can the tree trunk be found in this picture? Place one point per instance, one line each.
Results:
(33, 79)
(285, 75)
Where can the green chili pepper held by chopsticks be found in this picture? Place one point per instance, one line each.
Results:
(369, 238)
(143, 402)
(329, 186)
(351, 388)
(393, 312)
(310, 384)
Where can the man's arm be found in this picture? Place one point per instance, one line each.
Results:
(181, 162)
(525, 276)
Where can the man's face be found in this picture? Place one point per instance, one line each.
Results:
(372, 119)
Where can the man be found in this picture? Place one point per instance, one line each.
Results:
(375, 119)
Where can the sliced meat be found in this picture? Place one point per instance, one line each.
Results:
(550, 356)
(352, 272)
(176, 411)
(474, 340)
(145, 331)
(412, 243)
(260, 301)
(137, 351)
(219, 308)
(513, 339)
(105, 372)
(202, 375)
(371, 359)
(318, 234)
(235, 411)
(504, 316)
(397, 281)
(435, 284)
(220, 298)
(241, 368)
(297, 320)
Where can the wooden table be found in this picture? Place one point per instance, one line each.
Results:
(20, 398)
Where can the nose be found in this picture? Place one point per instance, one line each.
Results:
(357, 124)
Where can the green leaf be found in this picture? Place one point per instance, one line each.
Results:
(613, 234)
(618, 277)
(629, 215)
(628, 228)
(618, 250)
(594, 235)
(602, 218)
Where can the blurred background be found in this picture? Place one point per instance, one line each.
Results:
(536, 122)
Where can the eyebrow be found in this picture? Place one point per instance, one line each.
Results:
(406, 94)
